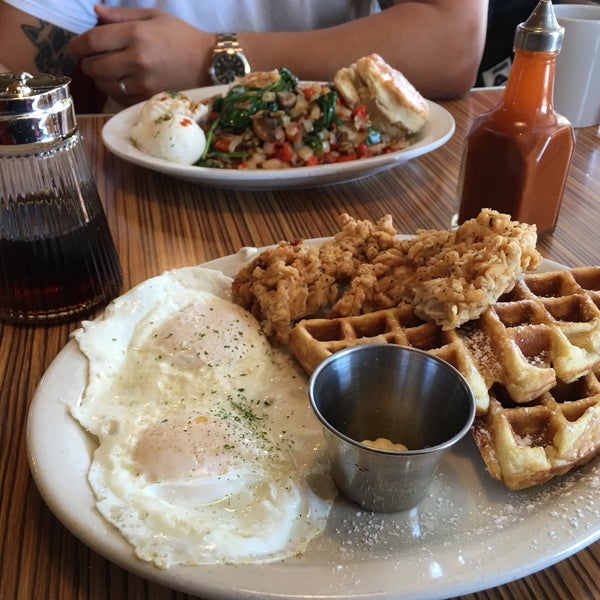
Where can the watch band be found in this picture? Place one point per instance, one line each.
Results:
(227, 41)
(228, 59)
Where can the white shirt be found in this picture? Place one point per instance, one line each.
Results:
(78, 16)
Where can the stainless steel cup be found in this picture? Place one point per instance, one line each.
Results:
(397, 393)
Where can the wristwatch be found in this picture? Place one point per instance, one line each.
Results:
(228, 60)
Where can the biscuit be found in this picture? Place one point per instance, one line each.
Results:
(396, 107)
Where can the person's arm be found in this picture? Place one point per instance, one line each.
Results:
(437, 45)
(32, 45)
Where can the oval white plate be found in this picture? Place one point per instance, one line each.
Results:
(115, 134)
(468, 534)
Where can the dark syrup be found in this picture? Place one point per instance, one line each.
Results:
(61, 276)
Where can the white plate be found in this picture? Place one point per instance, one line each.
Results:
(468, 534)
(115, 134)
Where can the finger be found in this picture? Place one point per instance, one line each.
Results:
(105, 38)
(107, 65)
(114, 89)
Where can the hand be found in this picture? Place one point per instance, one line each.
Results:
(135, 53)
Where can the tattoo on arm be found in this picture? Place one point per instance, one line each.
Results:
(51, 43)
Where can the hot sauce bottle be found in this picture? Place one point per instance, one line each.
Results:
(516, 158)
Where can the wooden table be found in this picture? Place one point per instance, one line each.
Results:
(160, 223)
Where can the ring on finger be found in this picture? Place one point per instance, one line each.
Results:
(123, 87)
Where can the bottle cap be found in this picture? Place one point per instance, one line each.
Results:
(35, 109)
(541, 32)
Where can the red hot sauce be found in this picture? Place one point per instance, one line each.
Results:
(516, 158)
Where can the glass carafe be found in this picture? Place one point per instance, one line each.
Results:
(57, 256)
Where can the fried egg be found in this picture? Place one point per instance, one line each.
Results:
(207, 449)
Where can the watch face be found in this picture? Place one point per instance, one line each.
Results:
(227, 67)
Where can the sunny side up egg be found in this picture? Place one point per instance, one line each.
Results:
(208, 451)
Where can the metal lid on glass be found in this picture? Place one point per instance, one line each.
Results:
(541, 32)
(35, 109)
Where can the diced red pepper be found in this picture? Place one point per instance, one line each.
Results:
(330, 157)
(347, 157)
(363, 151)
(284, 152)
(222, 144)
(309, 92)
(312, 161)
(360, 110)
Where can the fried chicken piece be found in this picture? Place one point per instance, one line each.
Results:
(357, 243)
(450, 277)
(282, 285)
(479, 262)
(359, 295)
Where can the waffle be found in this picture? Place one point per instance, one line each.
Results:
(313, 340)
(532, 360)
(527, 444)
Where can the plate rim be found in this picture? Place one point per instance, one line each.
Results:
(371, 578)
(438, 129)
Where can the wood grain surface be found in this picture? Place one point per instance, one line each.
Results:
(160, 223)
